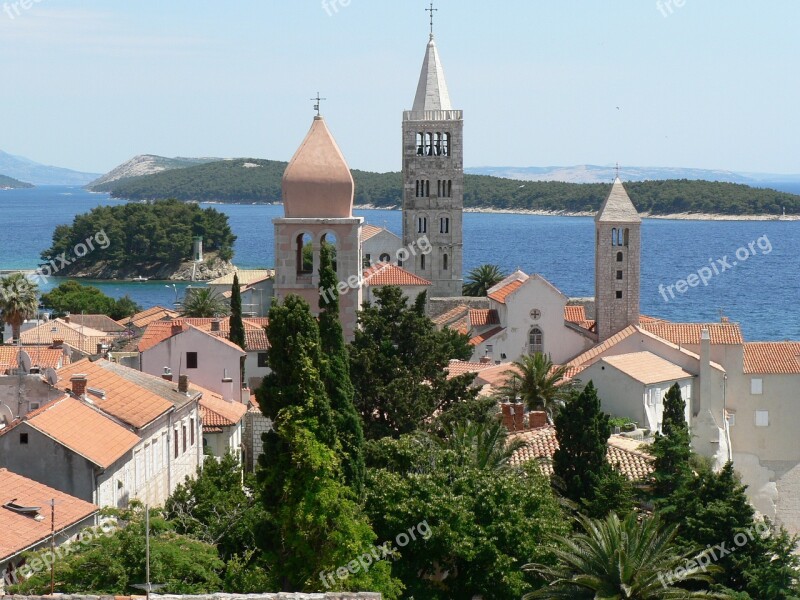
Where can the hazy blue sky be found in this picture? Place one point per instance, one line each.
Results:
(709, 84)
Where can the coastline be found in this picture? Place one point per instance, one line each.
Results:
(560, 213)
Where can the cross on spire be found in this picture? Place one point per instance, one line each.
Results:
(317, 101)
(431, 10)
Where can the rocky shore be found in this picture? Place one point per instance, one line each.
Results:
(211, 268)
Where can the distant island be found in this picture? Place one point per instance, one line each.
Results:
(250, 180)
(153, 241)
(9, 183)
(25, 169)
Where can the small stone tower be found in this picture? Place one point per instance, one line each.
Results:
(433, 181)
(617, 257)
(318, 207)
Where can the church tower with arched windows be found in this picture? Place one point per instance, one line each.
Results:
(318, 208)
(433, 186)
(617, 257)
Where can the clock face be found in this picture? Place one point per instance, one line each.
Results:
(536, 314)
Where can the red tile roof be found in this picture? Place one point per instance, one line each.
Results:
(480, 317)
(636, 465)
(81, 338)
(218, 413)
(254, 332)
(127, 401)
(501, 294)
(144, 318)
(576, 314)
(462, 367)
(389, 274)
(479, 339)
(776, 358)
(580, 362)
(160, 331)
(83, 429)
(454, 314)
(647, 368)
(41, 356)
(369, 231)
(99, 322)
(21, 532)
(689, 333)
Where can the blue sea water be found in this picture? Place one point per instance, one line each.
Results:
(761, 291)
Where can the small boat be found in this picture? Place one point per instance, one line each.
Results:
(140, 278)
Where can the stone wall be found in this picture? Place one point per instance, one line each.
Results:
(255, 425)
(279, 596)
(439, 306)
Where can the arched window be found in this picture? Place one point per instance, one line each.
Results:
(445, 144)
(422, 262)
(619, 256)
(444, 225)
(535, 341)
(445, 262)
(449, 193)
(420, 144)
(422, 224)
(329, 239)
(614, 236)
(428, 144)
(304, 254)
(626, 236)
(437, 144)
(385, 258)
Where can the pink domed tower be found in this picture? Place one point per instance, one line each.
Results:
(318, 208)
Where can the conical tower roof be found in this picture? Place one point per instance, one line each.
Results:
(618, 207)
(432, 91)
(317, 183)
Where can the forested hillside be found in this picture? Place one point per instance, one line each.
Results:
(259, 181)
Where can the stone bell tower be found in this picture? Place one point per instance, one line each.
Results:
(433, 180)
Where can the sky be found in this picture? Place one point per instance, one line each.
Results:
(672, 83)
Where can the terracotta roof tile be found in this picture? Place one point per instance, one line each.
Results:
(480, 317)
(41, 356)
(84, 339)
(160, 331)
(479, 339)
(369, 231)
(144, 318)
(102, 323)
(20, 532)
(689, 333)
(582, 361)
(542, 445)
(84, 430)
(462, 367)
(246, 277)
(778, 358)
(454, 314)
(575, 314)
(389, 274)
(126, 397)
(216, 412)
(254, 330)
(647, 368)
(501, 294)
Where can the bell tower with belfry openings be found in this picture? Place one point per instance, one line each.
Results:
(433, 179)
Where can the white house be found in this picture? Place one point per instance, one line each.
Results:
(255, 285)
(379, 245)
(383, 274)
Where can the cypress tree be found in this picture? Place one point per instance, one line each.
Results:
(672, 451)
(312, 525)
(336, 377)
(582, 431)
(236, 334)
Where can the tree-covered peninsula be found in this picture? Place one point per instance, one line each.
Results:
(9, 183)
(153, 240)
(259, 181)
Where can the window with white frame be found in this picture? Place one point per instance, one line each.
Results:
(762, 418)
(756, 386)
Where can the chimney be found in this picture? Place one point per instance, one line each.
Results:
(79, 383)
(215, 325)
(229, 383)
(705, 372)
(725, 320)
(537, 419)
(486, 360)
(66, 318)
(167, 374)
(519, 416)
(177, 327)
(58, 344)
(507, 410)
(101, 348)
(183, 384)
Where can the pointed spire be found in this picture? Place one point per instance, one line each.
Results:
(432, 91)
(618, 207)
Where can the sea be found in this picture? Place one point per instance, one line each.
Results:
(748, 271)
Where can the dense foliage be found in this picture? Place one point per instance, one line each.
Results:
(397, 365)
(134, 234)
(484, 521)
(76, 298)
(236, 334)
(18, 301)
(231, 181)
(481, 278)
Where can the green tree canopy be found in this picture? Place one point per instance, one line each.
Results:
(18, 301)
(75, 298)
(480, 279)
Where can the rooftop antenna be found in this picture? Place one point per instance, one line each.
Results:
(318, 101)
(431, 10)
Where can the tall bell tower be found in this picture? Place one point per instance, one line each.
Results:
(433, 180)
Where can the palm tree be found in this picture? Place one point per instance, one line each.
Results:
(203, 302)
(537, 382)
(480, 279)
(620, 560)
(482, 445)
(18, 301)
